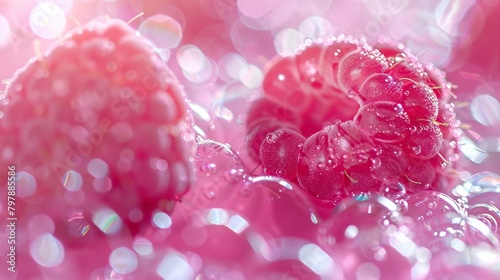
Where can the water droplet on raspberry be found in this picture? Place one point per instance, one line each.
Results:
(416, 149)
(425, 141)
(271, 138)
(392, 190)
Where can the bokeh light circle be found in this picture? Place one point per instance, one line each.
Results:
(47, 20)
(162, 30)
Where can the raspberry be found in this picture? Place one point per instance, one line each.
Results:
(100, 113)
(372, 116)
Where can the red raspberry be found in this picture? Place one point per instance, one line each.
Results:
(402, 131)
(100, 113)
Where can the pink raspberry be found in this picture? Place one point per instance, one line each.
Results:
(102, 115)
(372, 116)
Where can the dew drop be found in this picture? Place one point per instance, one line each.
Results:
(271, 138)
(416, 149)
(397, 152)
(432, 205)
(392, 190)
(376, 163)
(208, 169)
(210, 192)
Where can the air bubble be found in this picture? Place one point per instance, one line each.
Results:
(376, 163)
(271, 138)
(416, 149)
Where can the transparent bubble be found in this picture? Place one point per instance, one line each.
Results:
(47, 250)
(72, 180)
(123, 260)
(483, 182)
(392, 190)
(471, 150)
(229, 231)
(25, 184)
(47, 20)
(427, 204)
(162, 30)
(479, 232)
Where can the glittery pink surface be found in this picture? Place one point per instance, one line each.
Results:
(104, 220)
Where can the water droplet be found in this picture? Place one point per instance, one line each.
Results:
(271, 138)
(416, 149)
(392, 190)
(376, 163)
(351, 93)
(210, 192)
(208, 169)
